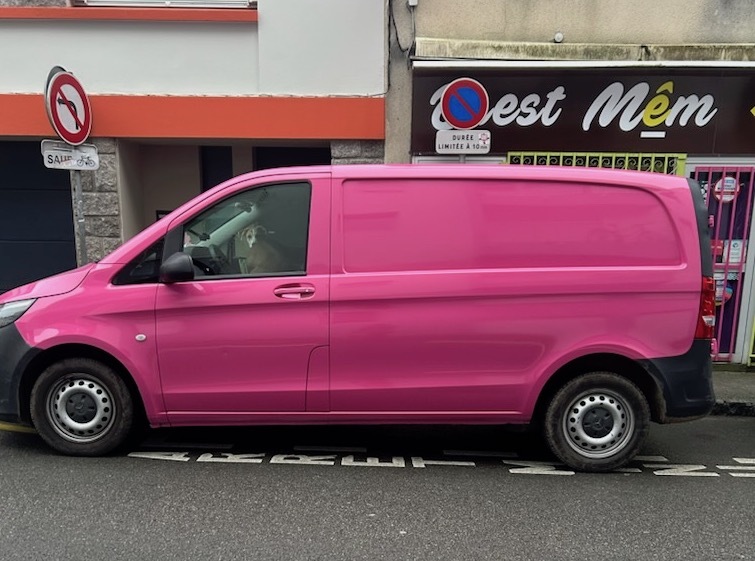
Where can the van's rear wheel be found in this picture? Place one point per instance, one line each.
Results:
(81, 407)
(597, 422)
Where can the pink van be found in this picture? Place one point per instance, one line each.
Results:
(578, 301)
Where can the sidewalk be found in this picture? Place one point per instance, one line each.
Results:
(735, 392)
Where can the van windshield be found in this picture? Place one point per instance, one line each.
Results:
(213, 219)
(204, 225)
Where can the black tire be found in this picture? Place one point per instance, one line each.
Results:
(81, 407)
(597, 422)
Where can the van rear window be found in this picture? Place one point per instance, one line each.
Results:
(414, 225)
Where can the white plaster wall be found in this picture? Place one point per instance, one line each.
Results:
(298, 47)
(131, 57)
(322, 47)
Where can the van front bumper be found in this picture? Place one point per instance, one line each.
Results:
(686, 382)
(15, 354)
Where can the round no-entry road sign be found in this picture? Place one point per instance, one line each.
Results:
(68, 107)
(464, 103)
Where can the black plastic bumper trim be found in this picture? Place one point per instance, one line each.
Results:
(686, 381)
(16, 354)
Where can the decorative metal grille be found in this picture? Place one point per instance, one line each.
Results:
(672, 164)
(729, 193)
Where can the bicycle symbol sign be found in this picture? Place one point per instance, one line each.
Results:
(59, 155)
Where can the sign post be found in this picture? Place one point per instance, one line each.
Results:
(70, 115)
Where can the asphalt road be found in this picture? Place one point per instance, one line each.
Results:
(313, 493)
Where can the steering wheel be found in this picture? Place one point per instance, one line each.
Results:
(218, 259)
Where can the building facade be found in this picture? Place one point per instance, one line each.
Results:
(182, 99)
(186, 97)
(666, 87)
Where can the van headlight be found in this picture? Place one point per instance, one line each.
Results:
(11, 311)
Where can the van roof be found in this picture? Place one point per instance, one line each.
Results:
(649, 180)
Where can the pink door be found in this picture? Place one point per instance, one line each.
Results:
(238, 338)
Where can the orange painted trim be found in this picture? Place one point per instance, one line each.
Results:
(129, 14)
(174, 117)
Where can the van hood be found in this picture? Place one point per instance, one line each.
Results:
(50, 286)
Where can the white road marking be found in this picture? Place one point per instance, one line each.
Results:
(302, 459)
(420, 463)
(537, 468)
(396, 462)
(649, 459)
(226, 458)
(170, 456)
(745, 467)
(746, 470)
(681, 470)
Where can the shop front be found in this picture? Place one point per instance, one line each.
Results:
(685, 118)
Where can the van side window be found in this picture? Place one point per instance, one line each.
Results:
(145, 268)
(443, 224)
(259, 232)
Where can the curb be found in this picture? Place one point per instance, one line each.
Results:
(734, 408)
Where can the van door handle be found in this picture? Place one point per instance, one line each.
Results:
(295, 291)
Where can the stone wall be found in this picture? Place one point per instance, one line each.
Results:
(357, 152)
(102, 212)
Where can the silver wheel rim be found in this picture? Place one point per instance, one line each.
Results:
(598, 424)
(80, 409)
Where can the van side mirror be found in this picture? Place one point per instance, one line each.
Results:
(177, 268)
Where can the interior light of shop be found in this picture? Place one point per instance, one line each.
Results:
(166, 3)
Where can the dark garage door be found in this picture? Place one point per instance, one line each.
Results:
(36, 217)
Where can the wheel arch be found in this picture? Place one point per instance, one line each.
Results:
(610, 362)
(72, 350)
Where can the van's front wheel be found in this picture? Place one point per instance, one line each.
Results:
(81, 407)
(597, 422)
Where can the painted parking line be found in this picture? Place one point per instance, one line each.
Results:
(227, 458)
(421, 462)
(660, 466)
(537, 468)
(683, 470)
(745, 467)
(168, 456)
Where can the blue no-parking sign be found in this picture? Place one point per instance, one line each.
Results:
(464, 103)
